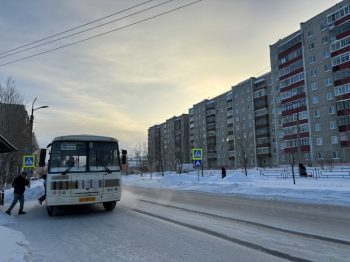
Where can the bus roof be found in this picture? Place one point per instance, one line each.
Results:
(76, 138)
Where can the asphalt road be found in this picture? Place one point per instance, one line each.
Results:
(166, 225)
(297, 232)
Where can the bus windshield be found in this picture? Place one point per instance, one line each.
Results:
(84, 157)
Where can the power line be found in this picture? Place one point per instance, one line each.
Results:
(105, 33)
(86, 30)
(66, 31)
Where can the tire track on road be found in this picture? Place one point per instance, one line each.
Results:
(318, 237)
(227, 238)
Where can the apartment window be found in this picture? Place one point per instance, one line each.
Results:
(333, 124)
(313, 72)
(311, 46)
(315, 100)
(330, 95)
(310, 33)
(334, 140)
(335, 155)
(317, 127)
(327, 67)
(312, 59)
(331, 110)
(307, 156)
(320, 155)
(325, 53)
(302, 115)
(323, 27)
(317, 113)
(319, 141)
(324, 40)
(314, 86)
(329, 81)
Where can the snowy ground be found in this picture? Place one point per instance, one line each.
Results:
(333, 191)
(13, 245)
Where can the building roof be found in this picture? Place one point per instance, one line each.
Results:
(6, 146)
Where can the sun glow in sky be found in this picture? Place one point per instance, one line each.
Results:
(122, 83)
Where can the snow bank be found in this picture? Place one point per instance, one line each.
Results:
(13, 245)
(335, 191)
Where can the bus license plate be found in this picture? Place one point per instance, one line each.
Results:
(87, 199)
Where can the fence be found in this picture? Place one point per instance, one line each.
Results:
(333, 173)
(315, 173)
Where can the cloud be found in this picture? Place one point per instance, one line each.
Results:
(123, 83)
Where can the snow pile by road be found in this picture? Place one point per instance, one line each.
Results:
(13, 245)
(334, 191)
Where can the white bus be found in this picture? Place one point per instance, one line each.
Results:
(83, 169)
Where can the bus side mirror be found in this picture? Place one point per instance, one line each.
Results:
(42, 157)
(124, 153)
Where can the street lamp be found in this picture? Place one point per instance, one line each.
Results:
(31, 121)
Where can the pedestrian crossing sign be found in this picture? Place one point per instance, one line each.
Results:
(197, 154)
(28, 161)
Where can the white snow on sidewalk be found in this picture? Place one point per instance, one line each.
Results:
(13, 244)
(333, 191)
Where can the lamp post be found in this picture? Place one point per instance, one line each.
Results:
(31, 121)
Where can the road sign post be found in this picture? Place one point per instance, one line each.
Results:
(28, 161)
(197, 164)
(197, 156)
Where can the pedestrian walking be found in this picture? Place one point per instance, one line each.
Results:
(223, 172)
(19, 184)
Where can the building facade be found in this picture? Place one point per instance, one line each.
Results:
(14, 126)
(310, 71)
(299, 112)
(209, 129)
(168, 146)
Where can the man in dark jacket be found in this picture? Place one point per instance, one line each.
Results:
(223, 172)
(19, 184)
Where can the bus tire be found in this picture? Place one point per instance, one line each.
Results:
(51, 210)
(109, 206)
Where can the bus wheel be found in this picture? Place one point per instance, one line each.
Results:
(51, 210)
(109, 206)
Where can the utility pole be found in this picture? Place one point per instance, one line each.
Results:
(30, 147)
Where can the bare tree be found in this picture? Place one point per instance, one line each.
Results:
(141, 154)
(243, 141)
(9, 93)
(138, 156)
(144, 156)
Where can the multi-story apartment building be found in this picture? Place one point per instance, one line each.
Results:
(243, 124)
(234, 127)
(310, 76)
(299, 112)
(154, 148)
(208, 129)
(266, 154)
(168, 144)
(15, 127)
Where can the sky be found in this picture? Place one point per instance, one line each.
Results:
(122, 83)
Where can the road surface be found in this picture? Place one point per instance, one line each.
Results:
(166, 225)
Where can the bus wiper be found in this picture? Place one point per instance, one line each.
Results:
(107, 169)
(100, 162)
(67, 170)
